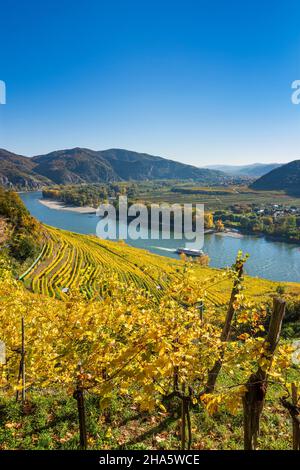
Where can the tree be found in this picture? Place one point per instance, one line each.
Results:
(219, 226)
(208, 220)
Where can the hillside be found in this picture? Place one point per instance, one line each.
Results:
(79, 165)
(128, 317)
(20, 233)
(127, 342)
(19, 172)
(286, 178)
(73, 261)
(74, 166)
(141, 166)
(256, 170)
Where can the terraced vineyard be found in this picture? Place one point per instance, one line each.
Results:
(70, 261)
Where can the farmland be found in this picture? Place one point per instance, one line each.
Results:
(214, 198)
(174, 191)
(72, 261)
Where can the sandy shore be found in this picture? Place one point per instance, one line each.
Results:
(60, 206)
(229, 234)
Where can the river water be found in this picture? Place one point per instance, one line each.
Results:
(277, 261)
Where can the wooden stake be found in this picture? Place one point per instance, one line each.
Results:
(294, 411)
(183, 426)
(253, 400)
(183, 421)
(296, 424)
(188, 419)
(214, 372)
(23, 364)
(79, 397)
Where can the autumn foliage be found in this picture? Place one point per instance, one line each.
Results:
(132, 344)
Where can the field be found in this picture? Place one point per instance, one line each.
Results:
(72, 261)
(173, 191)
(213, 198)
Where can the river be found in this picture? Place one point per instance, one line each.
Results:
(277, 261)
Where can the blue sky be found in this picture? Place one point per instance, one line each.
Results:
(198, 81)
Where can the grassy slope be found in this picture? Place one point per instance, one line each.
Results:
(51, 422)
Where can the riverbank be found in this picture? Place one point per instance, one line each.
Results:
(267, 236)
(274, 261)
(60, 206)
(228, 233)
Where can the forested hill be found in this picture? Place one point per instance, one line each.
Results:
(80, 165)
(285, 178)
(19, 172)
(140, 166)
(83, 165)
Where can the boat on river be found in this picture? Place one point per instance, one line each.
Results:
(190, 252)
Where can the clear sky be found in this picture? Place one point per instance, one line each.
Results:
(203, 82)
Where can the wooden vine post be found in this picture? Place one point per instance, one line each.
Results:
(253, 400)
(23, 364)
(183, 419)
(214, 372)
(294, 411)
(79, 397)
(22, 372)
(296, 418)
(186, 426)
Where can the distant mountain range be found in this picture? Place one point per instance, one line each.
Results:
(80, 165)
(286, 178)
(256, 170)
